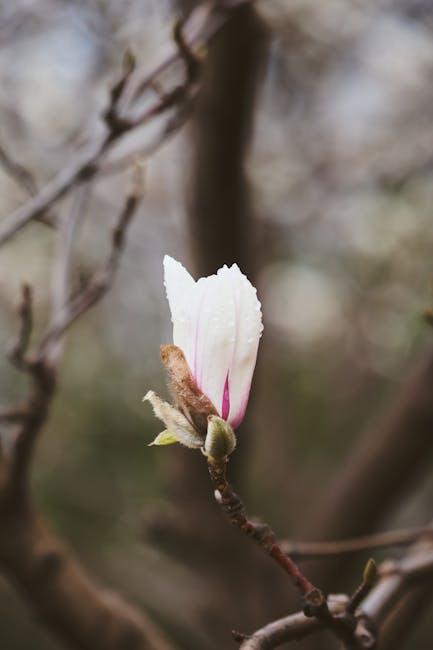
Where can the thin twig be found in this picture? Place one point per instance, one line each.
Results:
(261, 533)
(81, 168)
(200, 27)
(39, 401)
(119, 118)
(116, 164)
(17, 354)
(61, 276)
(417, 565)
(315, 550)
(394, 579)
(100, 282)
(75, 609)
(42, 366)
(24, 179)
(292, 628)
(20, 174)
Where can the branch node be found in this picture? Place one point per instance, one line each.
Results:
(18, 351)
(192, 60)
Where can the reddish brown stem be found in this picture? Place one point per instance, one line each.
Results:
(261, 533)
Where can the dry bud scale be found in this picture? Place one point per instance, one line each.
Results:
(217, 325)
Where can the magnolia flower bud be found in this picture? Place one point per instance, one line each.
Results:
(217, 324)
(220, 439)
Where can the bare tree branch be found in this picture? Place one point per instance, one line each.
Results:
(20, 174)
(233, 508)
(99, 283)
(77, 611)
(395, 578)
(314, 550)
(120, 119)
(19, 349)
(292, 628)
(62, 267)
(416, 566)
(24, 179)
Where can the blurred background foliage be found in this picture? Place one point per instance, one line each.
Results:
(339, 169)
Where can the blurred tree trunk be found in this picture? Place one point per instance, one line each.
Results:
(220, 218)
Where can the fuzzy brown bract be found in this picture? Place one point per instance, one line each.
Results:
(189, 399)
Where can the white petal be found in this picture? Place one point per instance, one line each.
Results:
(182, 297)
(217, 323)
(249, 328)
(215, 338)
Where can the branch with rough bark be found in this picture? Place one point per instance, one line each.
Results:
(57, 588)
(339, 614)
(138, 98)
(370, 609)
(233, 508)
(75, 608)
(354, 619)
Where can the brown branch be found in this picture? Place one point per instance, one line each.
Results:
(119, 117)
(24, 179)
(100, 282)
(233, 508)
(62, 267)
(67, 236)
(198, 30)
(37, 408)
(396, 577)
(42, 366)
(292, 628)
(138, 152)
(315, 550)
(79, 612)
(18, 351)
(394, 580)
(82, 167)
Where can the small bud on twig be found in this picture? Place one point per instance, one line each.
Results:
(220, 439)
(370, 572)
(369, 578)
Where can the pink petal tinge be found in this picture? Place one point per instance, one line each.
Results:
(217, 323)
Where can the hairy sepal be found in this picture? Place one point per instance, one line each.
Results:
(176, 423)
